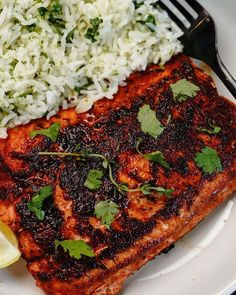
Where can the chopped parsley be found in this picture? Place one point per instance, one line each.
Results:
(138, 3)
(93, 32)
(75, 248)
(208, 160)
(149, 20)
(42, 11)
(70, 36)
(149, 123)
(31, 27)
(36, 204)
(56, 8)
(183, 89)
(53, 16)
(57, 22)
(30, 91)
(52, 132)
(106, 211)
(94, 179)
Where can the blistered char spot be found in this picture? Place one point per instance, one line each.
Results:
(46, 232)
(44, 277)
(72, 136)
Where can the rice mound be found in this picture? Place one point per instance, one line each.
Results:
(70, 53)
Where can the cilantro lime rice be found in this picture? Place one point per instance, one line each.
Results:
(70, 53)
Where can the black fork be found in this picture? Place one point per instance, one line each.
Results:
(200, 38)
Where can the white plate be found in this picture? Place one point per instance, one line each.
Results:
(204, 262)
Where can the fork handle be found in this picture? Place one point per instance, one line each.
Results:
(222, 72)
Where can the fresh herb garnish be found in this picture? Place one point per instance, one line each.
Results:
(31, 28)
(94, 179)
(27, 92)
(156, 157)
(52, 132)
(107, 164)
(85, 86)
(70, 36)
(52, 15)
(57, 22)
(149, 123)
(56, 8)
(106, 211)
(138, 3)
(146, 189)
(214, 129)
(208, 160)
(150, 20)
(75, 248)
(36, 204)
(14, 63)
(43, 11)
(183, 89)
(93, 33)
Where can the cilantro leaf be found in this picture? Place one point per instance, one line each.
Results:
(157, 157)
(94, 179)
(76, 248)
(164, 191)
(146, 189)
(214, 130)
(149, 123)
(106, 211)
(36, 204)
(208, 160)
(184, 89)
(93, 32)
(51, 132)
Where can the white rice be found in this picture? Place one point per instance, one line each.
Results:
(40, 70)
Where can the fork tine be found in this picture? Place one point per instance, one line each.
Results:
(195, 6)
(183, 10)
(172, 16)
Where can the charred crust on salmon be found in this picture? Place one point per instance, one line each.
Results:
(145, 225)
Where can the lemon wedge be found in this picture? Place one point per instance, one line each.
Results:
(9, 252)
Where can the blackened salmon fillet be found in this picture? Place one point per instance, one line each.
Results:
(145, 223)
